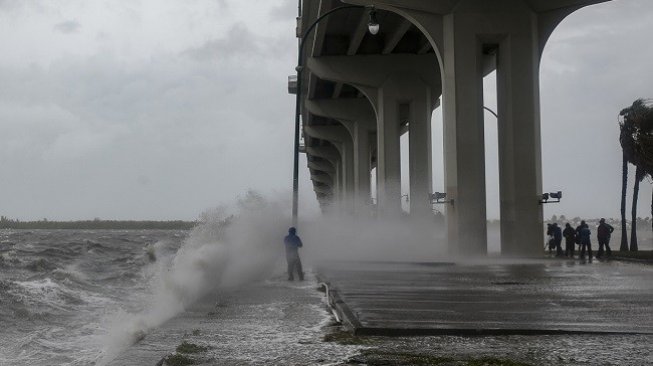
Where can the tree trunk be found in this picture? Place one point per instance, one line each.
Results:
(624, 187)
(633, 232)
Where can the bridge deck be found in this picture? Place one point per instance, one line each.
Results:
(535, 297)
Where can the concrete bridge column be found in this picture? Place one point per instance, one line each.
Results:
(358, 117)
(340, 138)
(388, 161)
(331, 162)
(404, 98)
(323, 173)
(420, 165)
(363, 166)
(464, 146)
(460, 32)
(337, 193)
(391, 81)
(520, 170)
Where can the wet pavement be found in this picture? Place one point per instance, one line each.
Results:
(548, 312)
(537, 297)
(275, 322)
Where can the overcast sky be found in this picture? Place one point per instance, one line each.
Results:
(160, 109)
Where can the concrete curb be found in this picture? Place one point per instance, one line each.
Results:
(338, 306)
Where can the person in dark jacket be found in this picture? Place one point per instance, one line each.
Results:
(578, 228)
(550, 240)
(570, 240)
(585, 241)
(603, 233)
(557, 239)
(293, 243)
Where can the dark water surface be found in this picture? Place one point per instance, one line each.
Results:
(61, 291)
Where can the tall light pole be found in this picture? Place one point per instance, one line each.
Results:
(373, 27)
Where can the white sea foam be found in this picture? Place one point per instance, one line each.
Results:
(214, 256)
(45, 292)
(73, 271)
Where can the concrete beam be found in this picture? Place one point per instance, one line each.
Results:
(373, 70)
(359, 118)
(396, 36)
(339, 137)
(324, 166)
(329, 133)
(321, 177)
(329, 153)
(357, 110)
(323, 189)
(357, 38)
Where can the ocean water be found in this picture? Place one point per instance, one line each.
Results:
(62, 292)
(85, 297)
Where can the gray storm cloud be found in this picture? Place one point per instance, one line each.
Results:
(69, 26)
(193, 101)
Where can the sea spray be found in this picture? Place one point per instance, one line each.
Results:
(222, 251)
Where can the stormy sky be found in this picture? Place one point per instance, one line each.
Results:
(160, 109)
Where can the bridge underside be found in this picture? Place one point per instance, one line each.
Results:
(363, 91)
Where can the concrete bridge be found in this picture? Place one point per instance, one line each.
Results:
(362, 92)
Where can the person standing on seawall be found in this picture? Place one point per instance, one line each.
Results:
(293, 243)
(585, 241)
(570, 240)
(603, 235)
(557, 239)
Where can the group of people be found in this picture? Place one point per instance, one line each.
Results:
(581, 235)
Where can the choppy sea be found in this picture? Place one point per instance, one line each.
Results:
(62, 291)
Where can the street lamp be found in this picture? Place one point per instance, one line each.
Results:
(373, 27)
(373, 24)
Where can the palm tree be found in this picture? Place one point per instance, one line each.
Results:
(636, 138)
(640, 174)
(624, 188)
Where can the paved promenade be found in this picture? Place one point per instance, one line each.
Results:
(493, 298)
(274, 322)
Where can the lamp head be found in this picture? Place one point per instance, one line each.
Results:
(373, 24)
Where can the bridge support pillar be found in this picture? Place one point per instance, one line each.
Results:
(390, 83)
(420, 165)
(520, 172)
(469, 36)
(388, 163)
(404, 98)
(464, 147)
(358, 117)
(339, 137)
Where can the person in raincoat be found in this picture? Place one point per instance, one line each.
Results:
(585, 242)
(293, 243)
(603, 233)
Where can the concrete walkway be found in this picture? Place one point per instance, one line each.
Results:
(274, 322)
(492, 298)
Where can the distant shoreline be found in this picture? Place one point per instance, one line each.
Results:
(98, 224)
